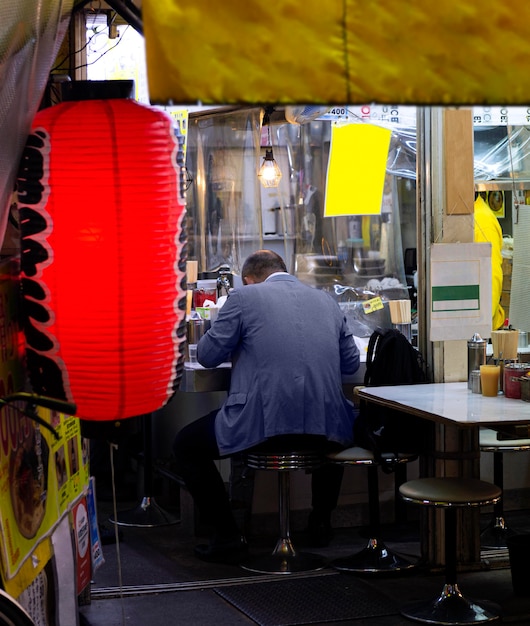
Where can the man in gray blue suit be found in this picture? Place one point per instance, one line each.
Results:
(289, 345)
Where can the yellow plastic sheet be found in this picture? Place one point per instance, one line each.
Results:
(356, 170)
(352, 51)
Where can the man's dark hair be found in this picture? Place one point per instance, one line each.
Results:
(262, 264)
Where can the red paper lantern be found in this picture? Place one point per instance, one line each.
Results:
(103, 256)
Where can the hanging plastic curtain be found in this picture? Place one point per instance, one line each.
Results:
(31, 34)
(224, 206)
(103, 256)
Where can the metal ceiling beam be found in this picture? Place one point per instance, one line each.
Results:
(129, 11)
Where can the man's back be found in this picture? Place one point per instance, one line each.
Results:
(289, 345)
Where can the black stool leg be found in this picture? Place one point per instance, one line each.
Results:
(450, 607)
(375, 557)
(495, 535)
(400, 508)
(147, 514)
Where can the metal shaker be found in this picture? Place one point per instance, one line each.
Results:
(196, 329)
(475, 381)
(476, 355)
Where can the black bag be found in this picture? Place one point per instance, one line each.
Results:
(391, 360)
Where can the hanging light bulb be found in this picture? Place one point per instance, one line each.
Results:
(269, 172)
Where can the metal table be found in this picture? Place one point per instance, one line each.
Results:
(455, 409)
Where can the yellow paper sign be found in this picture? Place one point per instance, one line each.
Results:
(55, 473)
(372, 305)
(356, 169)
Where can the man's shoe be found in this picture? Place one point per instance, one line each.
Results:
(229, 552)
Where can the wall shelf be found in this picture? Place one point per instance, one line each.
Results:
(502, 185)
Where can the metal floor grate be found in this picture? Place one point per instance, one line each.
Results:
(286, 602)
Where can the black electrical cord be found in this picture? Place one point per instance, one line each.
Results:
(33, 401)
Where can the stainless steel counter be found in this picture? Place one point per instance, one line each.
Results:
(196, 378)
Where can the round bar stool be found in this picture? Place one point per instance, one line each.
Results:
(284, 558)
(450, 607)
(375, 557)
(495, 534)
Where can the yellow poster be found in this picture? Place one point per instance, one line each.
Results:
(356, 169)
(180, 120)
(40, 479)
(71, 462)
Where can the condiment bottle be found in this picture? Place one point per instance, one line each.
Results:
(476, 355)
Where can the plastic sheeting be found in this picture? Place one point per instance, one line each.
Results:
(223, 205)
(31, 32)
(501, 152)
(226, 203)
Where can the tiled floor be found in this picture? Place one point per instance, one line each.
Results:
(151, 577)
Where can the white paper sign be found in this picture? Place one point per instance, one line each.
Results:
(460, 297)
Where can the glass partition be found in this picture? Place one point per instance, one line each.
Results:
(223, 203)
(355, 256)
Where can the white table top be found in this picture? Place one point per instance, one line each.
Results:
(450, 403)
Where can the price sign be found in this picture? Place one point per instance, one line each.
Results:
(372, 305)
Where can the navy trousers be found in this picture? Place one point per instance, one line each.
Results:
(195, 449)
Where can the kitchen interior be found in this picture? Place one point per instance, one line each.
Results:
(355, 257)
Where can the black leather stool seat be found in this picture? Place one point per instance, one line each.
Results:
(450, 492)
(284, 558)
(376, 556)
(494, 536)
(450, 607)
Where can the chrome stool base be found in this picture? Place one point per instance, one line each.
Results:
(284, 559)
(451, 493)
(495, 535)
(451, 608)
(373, 559)
(148, 514)
(284, 563)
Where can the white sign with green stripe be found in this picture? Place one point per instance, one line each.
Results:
(460, 296)
(456, 298)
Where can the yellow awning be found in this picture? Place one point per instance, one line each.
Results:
(352, 51)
